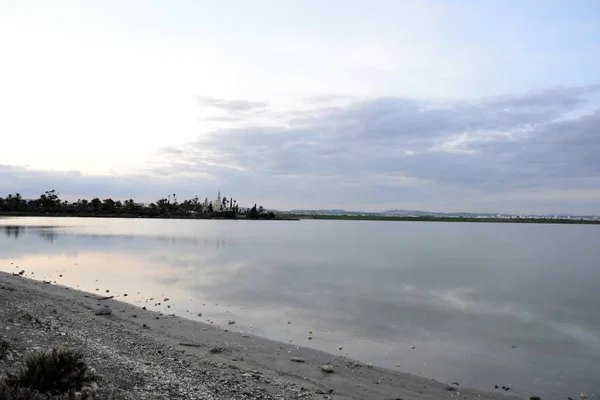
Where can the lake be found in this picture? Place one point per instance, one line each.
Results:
(481, 304)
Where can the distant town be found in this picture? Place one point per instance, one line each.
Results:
(438, 215)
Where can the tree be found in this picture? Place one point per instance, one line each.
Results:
(252, 213)
(96, 203)
(108, 205)
(49, 199)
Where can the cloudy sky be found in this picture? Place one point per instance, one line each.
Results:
(436, 105)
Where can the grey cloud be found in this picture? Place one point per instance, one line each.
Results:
(494, 152)
(229, 105)
(495, 144)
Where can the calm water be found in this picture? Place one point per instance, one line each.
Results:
(461, 294)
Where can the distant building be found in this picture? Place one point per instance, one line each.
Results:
(217, 204)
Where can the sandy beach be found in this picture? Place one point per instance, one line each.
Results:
(143, 354)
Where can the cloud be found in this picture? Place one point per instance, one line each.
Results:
(229, 105)
(514, 153)
(493, 145)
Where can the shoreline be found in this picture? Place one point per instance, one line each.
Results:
(305, 217)
(134, 216)
(147, 354)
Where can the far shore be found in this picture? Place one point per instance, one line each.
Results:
(300, 217)
(147, 354)
(446, 219)
(136, 216)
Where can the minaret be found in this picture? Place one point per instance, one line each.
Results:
(219, 196)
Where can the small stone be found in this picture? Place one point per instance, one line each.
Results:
(583, 395)
(230, 322)
(309, 338)
(413, 347)
(340, 347)
(103, 311)
(289, 322)
(143, 308)
(535, 398)
(450, 388)
(199, 314)
(125, 294)
(298, 359)
(398, 365)
(327, 368)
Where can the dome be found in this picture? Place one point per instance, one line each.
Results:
(217, 204)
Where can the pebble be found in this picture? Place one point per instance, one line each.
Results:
(340, 348)
(230, 322)
(103, 311)
(298, 359)
(583, 395)
(327, 368)
(535, 398)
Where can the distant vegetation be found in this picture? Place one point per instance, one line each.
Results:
(49, 203)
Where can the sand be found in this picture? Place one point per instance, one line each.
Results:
(143, 354)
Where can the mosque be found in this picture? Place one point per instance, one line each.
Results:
(218, 203)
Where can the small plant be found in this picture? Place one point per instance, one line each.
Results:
(54, 371)
(8, 392)
(219, 348)
(4, 346)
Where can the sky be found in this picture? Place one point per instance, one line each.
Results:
(456, 105)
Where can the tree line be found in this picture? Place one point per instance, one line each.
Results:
(49, 203)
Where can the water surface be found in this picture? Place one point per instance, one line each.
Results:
(481, 304)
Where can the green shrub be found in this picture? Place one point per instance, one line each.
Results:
(53, 371)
